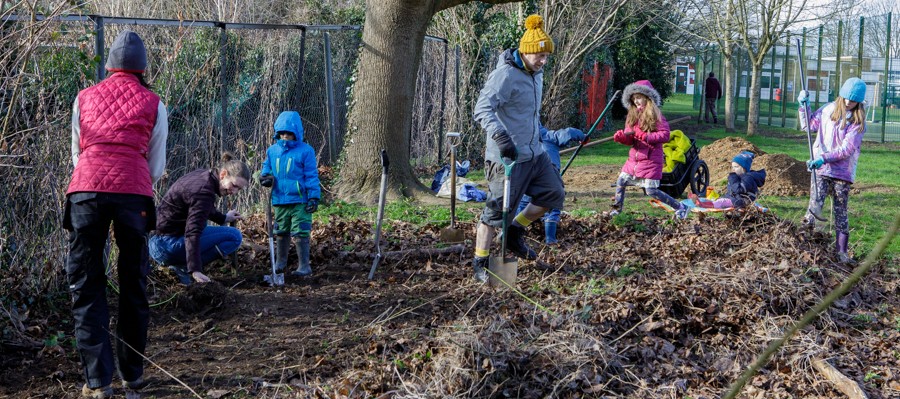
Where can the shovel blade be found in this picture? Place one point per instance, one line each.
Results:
(274, 279)
(503, 272)
(451, 236)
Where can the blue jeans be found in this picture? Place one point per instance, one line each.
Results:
(551, 216)
(216, 242)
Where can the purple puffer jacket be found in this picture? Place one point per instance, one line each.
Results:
(839, 147)
(646, 158)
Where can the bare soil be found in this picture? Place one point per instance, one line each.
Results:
(637, 307)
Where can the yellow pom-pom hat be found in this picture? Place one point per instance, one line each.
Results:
(535, 40)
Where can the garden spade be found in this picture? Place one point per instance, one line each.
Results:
(808, 134)
(275, 278)
(381, 195)
(503, 269)
(452, 234)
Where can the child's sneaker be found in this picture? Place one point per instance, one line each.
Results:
(682, 212)
(96, 393)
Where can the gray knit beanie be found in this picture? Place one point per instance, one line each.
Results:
(127, 54)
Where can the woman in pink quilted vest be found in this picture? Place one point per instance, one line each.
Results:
(646, 130)
(119, 130)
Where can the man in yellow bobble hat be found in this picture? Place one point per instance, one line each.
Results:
(508, 110)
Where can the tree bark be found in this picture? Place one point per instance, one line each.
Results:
(730, 94)
(753, 116)
(380, 114)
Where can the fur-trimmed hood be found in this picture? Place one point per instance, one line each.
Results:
(644, 87)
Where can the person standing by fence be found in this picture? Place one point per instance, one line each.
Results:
(119, 131)
(839, 126)
(291, 170)
(713, 92)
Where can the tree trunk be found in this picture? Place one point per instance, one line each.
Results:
(753, 111)
(730, 95)
(381, 112)
(382, 99)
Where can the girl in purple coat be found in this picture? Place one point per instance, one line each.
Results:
(840, 127)
(646, 130)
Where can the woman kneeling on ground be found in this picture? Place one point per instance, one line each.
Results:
(182, 235)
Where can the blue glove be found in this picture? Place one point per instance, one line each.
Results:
(814, 164)
(575, 134)
(312, 205)
(803, 98)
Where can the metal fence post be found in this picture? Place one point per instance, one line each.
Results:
(297, 91)
(747, 97)
(837, 69)
(332, 109)
(771, 82)
(784, 74)
(440, 148)
(802, 57)
(737, 82)
(223, 84)
(459, 128)
(100, 47)
(859, 56)
(887, 71)
(819, 68)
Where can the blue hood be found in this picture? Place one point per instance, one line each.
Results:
(289, 121)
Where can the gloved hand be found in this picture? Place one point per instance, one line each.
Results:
(803, 98)
(814, 164)
(312, 205)
(575, 134)
(505, 143)
(267, 180)
(640, 136)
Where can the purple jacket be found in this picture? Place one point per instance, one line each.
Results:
(186, 208)
(646, 158)
(839, 147)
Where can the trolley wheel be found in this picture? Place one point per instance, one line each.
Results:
(699, 178)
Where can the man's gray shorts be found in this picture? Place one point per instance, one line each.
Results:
(538, 178)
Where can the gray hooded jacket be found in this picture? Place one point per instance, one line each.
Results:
(511, 101)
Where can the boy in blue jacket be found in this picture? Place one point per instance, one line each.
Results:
(743, 185)
(552, 140)
(290, 170)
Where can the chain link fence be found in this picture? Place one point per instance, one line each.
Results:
(867, 48)
(224, 85)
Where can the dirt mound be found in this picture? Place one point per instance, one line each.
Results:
(591, 177)
(718, 155)
(785, 176)
(203, 298)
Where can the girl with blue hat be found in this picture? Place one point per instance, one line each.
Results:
(840, 126)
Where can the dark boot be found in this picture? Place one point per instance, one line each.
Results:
(840, 243)
(515, 242)
(302, 244)
(282, 247)
(480, 265)
(550, 233)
